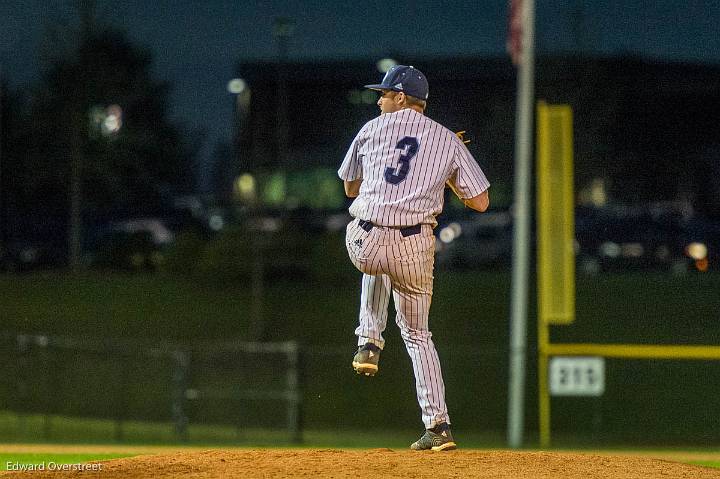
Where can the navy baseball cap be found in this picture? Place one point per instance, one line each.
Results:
(408, 80)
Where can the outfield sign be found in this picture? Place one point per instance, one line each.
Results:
(577, 376)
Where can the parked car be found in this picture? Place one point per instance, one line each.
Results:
(612, 241)
(618, 239)
(133, 244)
(480, 242)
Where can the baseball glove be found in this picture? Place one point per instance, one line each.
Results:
(461, 135)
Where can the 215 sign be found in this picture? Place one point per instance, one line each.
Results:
(577, 376)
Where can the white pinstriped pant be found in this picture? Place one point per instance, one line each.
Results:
(404, 265)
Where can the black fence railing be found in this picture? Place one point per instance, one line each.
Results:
(244, 384)
(55, 387)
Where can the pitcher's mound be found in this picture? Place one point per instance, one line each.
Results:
(387, 463)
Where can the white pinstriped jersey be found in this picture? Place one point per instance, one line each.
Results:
(404, 159)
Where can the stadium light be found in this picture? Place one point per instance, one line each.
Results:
(385, 64)
(236, 86)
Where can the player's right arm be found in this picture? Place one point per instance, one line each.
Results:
(351, 168)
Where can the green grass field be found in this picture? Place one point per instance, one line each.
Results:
(166, 307)
(74, 430)
(641, 307)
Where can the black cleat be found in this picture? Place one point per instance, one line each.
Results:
(437, 439)
(366, 360)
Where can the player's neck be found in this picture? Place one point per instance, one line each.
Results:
(414, 108)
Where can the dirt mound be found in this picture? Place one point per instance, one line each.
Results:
(385, 463)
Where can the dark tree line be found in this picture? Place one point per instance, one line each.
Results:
(132, 168)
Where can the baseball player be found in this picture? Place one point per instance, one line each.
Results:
(396, 169)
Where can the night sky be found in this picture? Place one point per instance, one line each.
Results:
(196, 43)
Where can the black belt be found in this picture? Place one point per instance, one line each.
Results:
(409, 231)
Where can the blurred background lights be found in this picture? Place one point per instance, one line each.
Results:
(696, 251)
(113, 120)
(236, 86)
(245, 186)
(457, 229)
(385, 64)
(450, 232)
(632, 250)
(595, 193)
(107, 121)
(598, 192)
(610, 249)
(216, 222)
(362, 97)
(447, 235)
(111, 124)
(97, 116)
(275, 191)
(369, 97)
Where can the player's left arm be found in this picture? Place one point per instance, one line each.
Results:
(468, 181)
(480, 202)
(352, 187)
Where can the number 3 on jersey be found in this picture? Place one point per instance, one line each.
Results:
(396, 175)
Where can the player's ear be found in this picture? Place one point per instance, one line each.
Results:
(400, 98)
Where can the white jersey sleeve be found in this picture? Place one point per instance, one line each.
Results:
(351, 167)
(467, 177)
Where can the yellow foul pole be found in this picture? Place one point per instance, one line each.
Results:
(555, 239)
